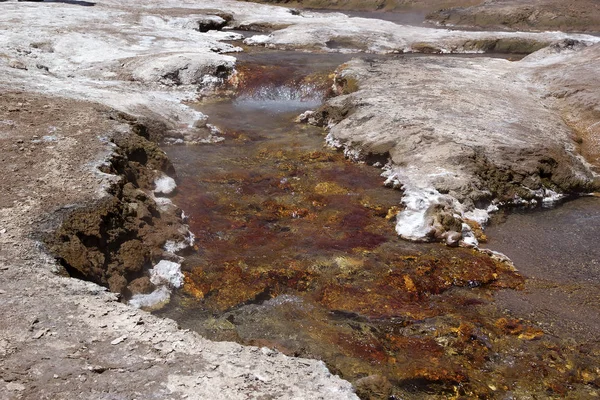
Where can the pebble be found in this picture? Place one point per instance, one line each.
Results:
(97, 368)
(40, 333)
(17, 64)
(119, 340)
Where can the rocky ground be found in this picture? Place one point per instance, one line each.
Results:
(337, 33)
(368, 5)
(85, 92)
(539, 15)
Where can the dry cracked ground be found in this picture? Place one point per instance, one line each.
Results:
(86, 91)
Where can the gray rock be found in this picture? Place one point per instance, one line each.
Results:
(458, 132)
(17, 64)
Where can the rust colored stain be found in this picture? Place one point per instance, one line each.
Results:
(296, 250)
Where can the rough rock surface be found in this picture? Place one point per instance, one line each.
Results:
(339, 33)
(574, 15)
(461, 134)
(427, 5)
(63, 338)
(567, 76)
(117, 56)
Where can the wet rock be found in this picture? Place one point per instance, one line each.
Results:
(305, 117)
(453, 238)
(141, 285)
(373, 387)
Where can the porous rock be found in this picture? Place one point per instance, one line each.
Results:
(180, 69)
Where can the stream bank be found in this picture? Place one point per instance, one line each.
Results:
(68, 338)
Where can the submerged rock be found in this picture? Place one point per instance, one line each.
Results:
(141, 285)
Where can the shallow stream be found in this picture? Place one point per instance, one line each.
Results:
(556, 248)
(296, 250)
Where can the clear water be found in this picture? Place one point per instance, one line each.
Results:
(558, 249)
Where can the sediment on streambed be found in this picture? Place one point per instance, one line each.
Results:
(127, 239)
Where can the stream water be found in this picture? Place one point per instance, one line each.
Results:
(413, 18)
(556, 249)
(296, 251)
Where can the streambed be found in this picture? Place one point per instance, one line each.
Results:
(556, 249)
(296, 250)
